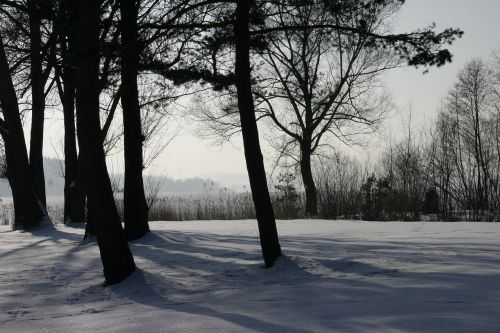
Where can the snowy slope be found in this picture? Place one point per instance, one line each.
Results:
(207, 276)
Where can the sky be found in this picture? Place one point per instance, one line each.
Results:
(423, 93)
(188, 156)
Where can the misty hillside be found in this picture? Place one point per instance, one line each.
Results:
(54, 182)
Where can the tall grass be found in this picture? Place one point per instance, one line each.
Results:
(6, 213)
(224, 205)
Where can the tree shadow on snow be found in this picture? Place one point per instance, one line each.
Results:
(137, 289)
(351, 281)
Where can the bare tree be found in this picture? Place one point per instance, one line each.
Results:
(316, 83)
(116, 257)
(38, 80)
(65, 74)
(467, 159)
(29, 46)
(318, 74)
(271, 249)
(27, 208)
(135, 206)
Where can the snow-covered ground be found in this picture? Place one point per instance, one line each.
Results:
(207, 276)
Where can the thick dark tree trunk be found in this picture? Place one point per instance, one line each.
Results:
(74, 197)
(308, 180)
(116, 257)
(38, 101)
(27, 209)
(134, 199)
(271, 249)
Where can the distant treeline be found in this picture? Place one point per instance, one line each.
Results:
(452, 169)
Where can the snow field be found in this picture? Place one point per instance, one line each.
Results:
(207, 276)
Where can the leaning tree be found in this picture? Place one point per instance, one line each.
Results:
(116, 257)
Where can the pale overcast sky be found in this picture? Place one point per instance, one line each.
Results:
(188, 156)
(481, 24)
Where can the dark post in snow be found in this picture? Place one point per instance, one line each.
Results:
(134, 199)
(116, 257)
(271, 249)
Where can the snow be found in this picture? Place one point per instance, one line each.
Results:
(207, 276)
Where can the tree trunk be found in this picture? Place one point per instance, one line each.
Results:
(134, 199)
(74, 197)
(271, 249)
(308, 180)
(116, 257)
(38, 101)
(27, 209)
